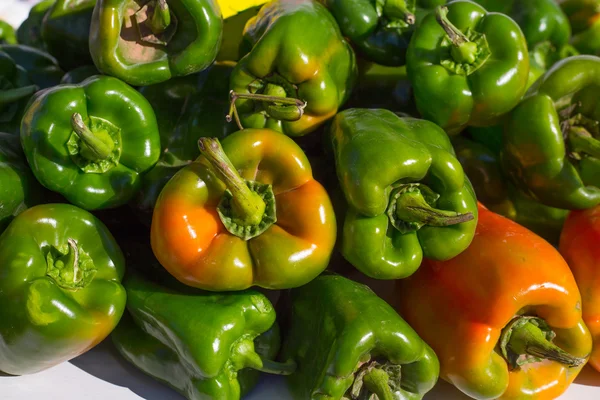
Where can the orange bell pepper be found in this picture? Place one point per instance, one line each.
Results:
(504, 316)
(580, 246)
(247, 213)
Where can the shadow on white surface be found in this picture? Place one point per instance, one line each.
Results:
(589, 377)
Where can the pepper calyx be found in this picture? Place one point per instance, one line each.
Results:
(375, 380)
(397, 15)
(243, 355)
(580, 133)
(70, 267)
(95, 148)
(155, 23)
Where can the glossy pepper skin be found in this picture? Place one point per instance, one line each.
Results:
(463, 308)
(186, 108)
(29, 32)
(414, 157)
(554, 158)
(60, 287)
(95, 162)
(584, 17)
(65, 31)
(140, 53)
(19, 189)
(7, 33)
(161, 337)
(472, 76)
(285, 59)
(483, 167)
(579, 246)
(196, 235)
(339, 331)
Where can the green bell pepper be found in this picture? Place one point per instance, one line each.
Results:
(482, 166)
(187, 108)
(153, 41)
(555, 157)
(15, 91)
(7, 33)
(299, 69)
(79, 74)
(348, 343)
(394, 172)
(199, 343)
(29, 32)
(60, 292)
(584, 16)
(65, 31)
(19, 189)
(42, 69)
(91, 142)
(467, 66)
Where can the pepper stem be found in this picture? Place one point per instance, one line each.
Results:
(12, 95)
(377, 381)
(247, 206)
(582, 141)
(276, 368)
(463, 50)
(96, 147)
(161, 17)
(278, 107)
(397, 9)
(413, 208)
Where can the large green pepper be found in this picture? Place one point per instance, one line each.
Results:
(149, 42)
(348, 343)
(467, 66)
(65, 31)
(187, 108)
(299, 55)
(407, 194)
(197, 342)
(584, 16)
(482, 166)
(30, 31)
(551, 145)
(91, 142)
(19, 189)
(60, 290)
(380, 30)
(7, 33)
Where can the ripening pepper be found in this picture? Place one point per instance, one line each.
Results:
(467, 66)
(29, 32)
(7, 33)
(295, 52)
(407, 194)
(380, 30)
(584, 16)
(555, 157)
(171, 336)
(60, 287)
(91, 142)
(144, 43)
(504, 316)
(19, 189)
(186, 109)
(482, 166)
(348, 343)
(248, 213)
(65, 31)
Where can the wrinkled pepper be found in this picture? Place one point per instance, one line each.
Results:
(19, 189)
(584, 16)
(65, 31)
(555, 157)
(467, 66)
(380, 30)
(144, 43)
(91, 142)
(186, 108)
(413, 202)
(79, 74)
(483, 167)
(171, 336)
(29, 32)
(60, 287)
(348, 343)
(312, 70)
(247, 213)
(502, 326)
(7, 33)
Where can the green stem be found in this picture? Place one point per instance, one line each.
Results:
(276, 368)
(463, 50)
(161, 17)
(96, 148)
(12, 95)
(581, 141)
(397, 9)
(280, 108)
(412, 207)
(377, 381)
(247, 205)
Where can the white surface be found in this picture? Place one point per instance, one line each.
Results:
(102, 374)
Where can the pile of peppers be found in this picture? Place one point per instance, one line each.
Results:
(362, 197)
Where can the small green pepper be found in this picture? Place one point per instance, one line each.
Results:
(29, 32)
(91, 142)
